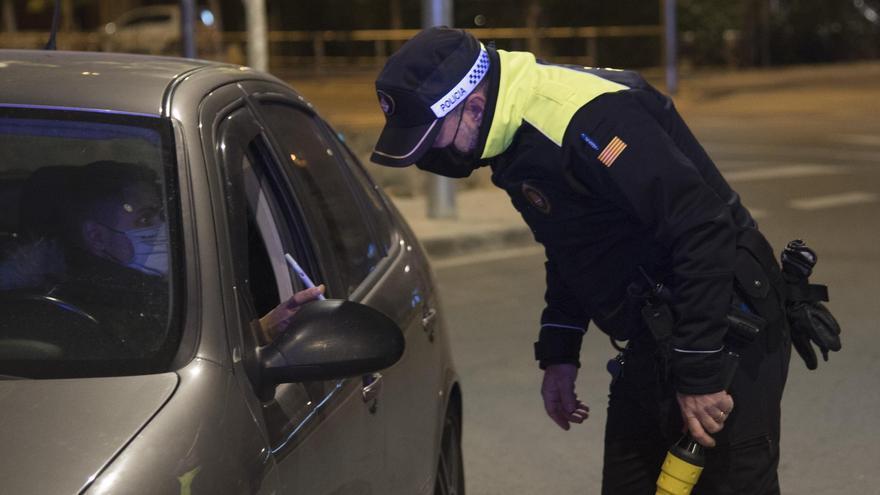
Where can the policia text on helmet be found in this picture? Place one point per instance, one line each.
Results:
(624, 199)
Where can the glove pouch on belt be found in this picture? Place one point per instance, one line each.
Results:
(759, 282)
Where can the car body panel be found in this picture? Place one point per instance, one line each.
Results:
(71, 428)
(205, 440)
(89, 80)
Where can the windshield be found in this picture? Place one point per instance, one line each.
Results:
(86, 251)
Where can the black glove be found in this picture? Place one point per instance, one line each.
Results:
(812, 323)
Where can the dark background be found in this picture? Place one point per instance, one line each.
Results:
(733, 33)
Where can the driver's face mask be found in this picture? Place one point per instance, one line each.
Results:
(149, 247)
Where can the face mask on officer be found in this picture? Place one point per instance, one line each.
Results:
(448, 162)
(447, 159)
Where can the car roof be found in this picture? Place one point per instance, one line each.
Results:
(113, 82)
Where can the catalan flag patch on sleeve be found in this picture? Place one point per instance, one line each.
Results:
(612, 151)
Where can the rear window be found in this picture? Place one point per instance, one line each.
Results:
(88, 243)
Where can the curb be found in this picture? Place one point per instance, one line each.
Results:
(460, 245)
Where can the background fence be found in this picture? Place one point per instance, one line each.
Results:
(317, 51)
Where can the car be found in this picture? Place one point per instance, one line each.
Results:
(157, 381)
(155, 30)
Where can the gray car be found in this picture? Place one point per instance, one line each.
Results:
(146, 207)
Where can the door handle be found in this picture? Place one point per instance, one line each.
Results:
(372, 386)
(428, 317)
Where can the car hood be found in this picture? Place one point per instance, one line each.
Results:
(57, 435)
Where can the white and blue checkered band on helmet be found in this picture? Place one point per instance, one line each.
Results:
(465, 87)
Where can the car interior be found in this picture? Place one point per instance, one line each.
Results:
(37, 160)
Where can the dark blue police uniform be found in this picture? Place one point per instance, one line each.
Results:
(620, 193)
(622, 196)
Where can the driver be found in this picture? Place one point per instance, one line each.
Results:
(117, 254)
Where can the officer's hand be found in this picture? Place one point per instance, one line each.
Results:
(560, 401)
(704, 414)
(275, 321)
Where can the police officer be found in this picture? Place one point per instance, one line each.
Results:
(625, 200)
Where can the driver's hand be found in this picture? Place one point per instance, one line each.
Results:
(705, 414)
(560, 401)
(275, 321)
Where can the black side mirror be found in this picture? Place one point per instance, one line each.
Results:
(331, 339)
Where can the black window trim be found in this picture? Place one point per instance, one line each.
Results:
(293, 211)
(254, 99)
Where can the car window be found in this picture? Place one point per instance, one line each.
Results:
(375, 208)
(261, 235)
(88, 242)
(313, 167)
(269, 277)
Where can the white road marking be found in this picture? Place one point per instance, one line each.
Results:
(777, 153)
(834, 200)
(783, 172)
(491, 255)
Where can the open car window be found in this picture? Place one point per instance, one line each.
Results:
(89, 223)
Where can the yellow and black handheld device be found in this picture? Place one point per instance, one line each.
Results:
(686, 459)
(682, 467)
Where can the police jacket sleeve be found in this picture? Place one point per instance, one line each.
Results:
(563, 324)
(636, 165)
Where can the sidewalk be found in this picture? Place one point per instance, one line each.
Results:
(486, 220)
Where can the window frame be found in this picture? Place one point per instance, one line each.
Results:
(257, 151)
(297, 104)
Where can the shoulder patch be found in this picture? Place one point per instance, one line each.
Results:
(612, 151)
(536, 198)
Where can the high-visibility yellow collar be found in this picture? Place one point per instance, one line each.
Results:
(545, 96)
(515, 88)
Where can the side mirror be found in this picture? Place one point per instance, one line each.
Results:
(331, 339)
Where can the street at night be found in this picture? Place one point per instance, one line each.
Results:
(351, 247)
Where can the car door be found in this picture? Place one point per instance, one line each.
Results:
(310, 427)
(376, 265)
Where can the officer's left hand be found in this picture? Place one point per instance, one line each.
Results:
(704, 414)
(560, 400)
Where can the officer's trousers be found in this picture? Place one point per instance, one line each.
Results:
(644, 420)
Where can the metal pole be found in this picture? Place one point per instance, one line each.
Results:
(671, 45)
(257, 44)
(441, 190)
(187, 28)
(9, 24)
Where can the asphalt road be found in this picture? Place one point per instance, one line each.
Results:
(806, 172)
